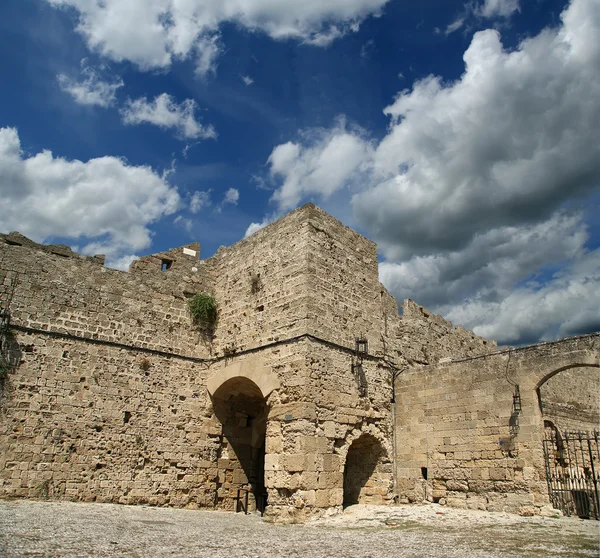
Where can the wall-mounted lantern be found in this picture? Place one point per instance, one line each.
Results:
(517, 400)
(362, 347)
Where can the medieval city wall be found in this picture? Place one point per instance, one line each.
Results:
(109, 401)
(118, 397)
(73, 296)
(460, 439)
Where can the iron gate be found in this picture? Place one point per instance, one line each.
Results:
(573, 472)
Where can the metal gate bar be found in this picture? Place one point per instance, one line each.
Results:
(573, 472)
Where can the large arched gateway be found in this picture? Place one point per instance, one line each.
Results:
(242, 411)
(568, 401)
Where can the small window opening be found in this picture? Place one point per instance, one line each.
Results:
(126, 417)
(166, 264)
(424, 472)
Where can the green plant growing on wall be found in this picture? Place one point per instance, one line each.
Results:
(203, 308)
(145, 364)
(255, 283)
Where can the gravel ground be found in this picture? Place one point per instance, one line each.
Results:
(32, 528)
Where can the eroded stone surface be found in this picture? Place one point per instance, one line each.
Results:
(119, 398)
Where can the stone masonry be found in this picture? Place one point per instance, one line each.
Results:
(311, 394)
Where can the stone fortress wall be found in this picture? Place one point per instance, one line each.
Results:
(462, 441)
(117, 397)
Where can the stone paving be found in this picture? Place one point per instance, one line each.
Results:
(36, 528)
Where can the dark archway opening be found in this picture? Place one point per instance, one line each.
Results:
(568, 404)
(240, 407)
(360, 483)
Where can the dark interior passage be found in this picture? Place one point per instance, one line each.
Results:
(241, 409)
(361, 483)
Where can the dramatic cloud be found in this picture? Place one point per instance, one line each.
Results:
(92, 89)
(165, 112)
(104, 203)
(476, 286)
(490, 265)
(466, 193)
(152, 33)
(568, 304)
(325, 162)
(508, 143)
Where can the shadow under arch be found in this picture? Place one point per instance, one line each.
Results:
(240, 406)
(363, 460)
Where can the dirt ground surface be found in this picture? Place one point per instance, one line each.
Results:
(33, 528)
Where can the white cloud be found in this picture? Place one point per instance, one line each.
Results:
(123, 262)
(183, 222)
(498, 8)
(454, 26)
(208, 49)
(92, 89)
(247, 80)
(568, 304)
(232, 196)
(153, 33)
(198, 200)
(465, 195)
(103, 202)
(165, 112)
(325, 162)
(255, 227)
(488, 10)
(508, 143)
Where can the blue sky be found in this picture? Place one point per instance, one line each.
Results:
(460, 136)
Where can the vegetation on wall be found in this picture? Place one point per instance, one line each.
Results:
(203, 308)
(255, 283)
(145, 364)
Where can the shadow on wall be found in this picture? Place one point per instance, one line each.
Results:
(360, 486)
(10, 353)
